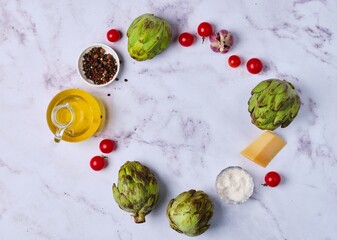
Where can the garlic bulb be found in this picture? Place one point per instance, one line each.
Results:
(221, 41)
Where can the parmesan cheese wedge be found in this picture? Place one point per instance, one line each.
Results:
(264, 148)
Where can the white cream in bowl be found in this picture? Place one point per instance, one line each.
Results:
(234, 185)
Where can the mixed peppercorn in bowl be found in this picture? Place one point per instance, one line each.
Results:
(98, 65)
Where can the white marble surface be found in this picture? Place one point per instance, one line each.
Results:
(183, 114)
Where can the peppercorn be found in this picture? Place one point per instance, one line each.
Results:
(99, 66)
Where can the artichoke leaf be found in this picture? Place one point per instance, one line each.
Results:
(135, 23)
(295, 107)
(279, 101)
(252, 102)
(273, 85)
(281, 88)
(261, 86)
(121, 200)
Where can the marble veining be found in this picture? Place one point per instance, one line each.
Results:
(273, 218)
(183, 114)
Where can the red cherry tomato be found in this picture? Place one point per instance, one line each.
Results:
(107, 145)
(97, 163)
(272, 179)
(205, 29)
(254, 65)
(186, 39)
(234, 61)
(113, 35)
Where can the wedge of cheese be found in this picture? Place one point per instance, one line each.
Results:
(264, 148)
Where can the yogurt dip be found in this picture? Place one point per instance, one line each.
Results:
(234, 185)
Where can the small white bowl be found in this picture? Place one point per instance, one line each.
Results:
(230, 185)
(80, 64)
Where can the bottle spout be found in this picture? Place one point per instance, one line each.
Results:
(58, 134)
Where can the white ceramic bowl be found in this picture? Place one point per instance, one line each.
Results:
(227, 199)
(80, 64)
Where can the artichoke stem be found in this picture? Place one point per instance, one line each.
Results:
(139, 217)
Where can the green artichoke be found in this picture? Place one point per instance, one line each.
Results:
(148, 36)
(137, 190)
(190, 212)
(273, 103)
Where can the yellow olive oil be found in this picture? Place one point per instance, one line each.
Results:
(83, 115)
(88, 114)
